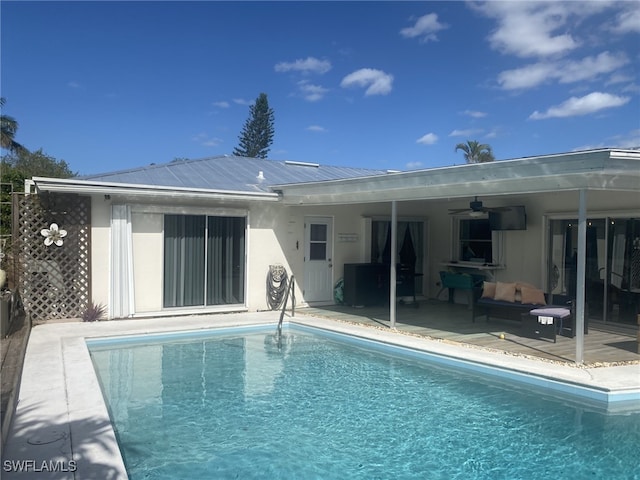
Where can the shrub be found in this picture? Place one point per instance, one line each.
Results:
(94, 313)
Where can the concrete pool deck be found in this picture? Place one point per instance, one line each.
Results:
(61, 427)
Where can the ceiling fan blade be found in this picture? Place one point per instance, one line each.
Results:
(454, 211)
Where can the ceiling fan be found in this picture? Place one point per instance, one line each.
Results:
(476, 209)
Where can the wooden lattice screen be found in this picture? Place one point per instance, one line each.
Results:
(54, 280)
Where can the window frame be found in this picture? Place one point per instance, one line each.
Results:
(496, 240)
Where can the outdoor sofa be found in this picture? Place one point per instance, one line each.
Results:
(514, 301)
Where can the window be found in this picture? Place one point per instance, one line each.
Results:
(318, 242)
(475, 241)
(204, 260)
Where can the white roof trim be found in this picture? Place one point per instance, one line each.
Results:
(89, 187)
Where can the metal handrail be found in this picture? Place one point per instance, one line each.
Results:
(290, 290)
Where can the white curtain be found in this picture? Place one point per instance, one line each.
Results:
(121, 301)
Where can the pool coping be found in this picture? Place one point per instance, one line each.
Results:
(65, 432)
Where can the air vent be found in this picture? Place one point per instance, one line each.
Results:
(301, 164)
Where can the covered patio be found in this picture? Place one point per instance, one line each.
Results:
(564, 196)
(605, 344)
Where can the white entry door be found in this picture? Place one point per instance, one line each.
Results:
(318, 266)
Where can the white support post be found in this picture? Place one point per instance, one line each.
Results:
(581, 272)
(392, 276)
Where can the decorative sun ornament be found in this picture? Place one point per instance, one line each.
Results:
(53, 235)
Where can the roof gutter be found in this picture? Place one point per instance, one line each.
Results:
(87, 187)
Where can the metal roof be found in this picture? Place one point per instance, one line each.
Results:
(605, 169)
(227, 173)
(299, 183)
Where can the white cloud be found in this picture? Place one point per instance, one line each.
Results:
(465, 133)
(306, 65)
(492, 134)
(526, 77)
(474, 113)
(530, 29)
(221, 104)
(627, 21)
(590, 67)
(426, 27)
(311, 92)
(628, 140)
(578, 106)
(376, 81)
(74, 84)
(316, 128)
(562, 71)
(619, 78)
(205, 140)
(428, 139)
(242, 101)
(631, 88)
(413, 165)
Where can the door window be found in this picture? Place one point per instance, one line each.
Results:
(318, 242)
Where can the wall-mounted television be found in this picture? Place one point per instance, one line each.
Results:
(515, 218)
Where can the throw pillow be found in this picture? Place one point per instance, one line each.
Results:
(488, 290)
(505, 292)
(534, 296)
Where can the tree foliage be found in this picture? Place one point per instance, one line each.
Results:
(257, 134)
(476, 152)
(20, 165)
(8, 129)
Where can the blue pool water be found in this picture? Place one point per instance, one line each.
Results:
(235, 405)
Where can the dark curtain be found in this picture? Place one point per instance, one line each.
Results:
(225, 262)
(408, 252)
(184, 263)
(386, 252)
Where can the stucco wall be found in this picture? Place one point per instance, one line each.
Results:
(100, 238)
(146, 230)
(276, 236)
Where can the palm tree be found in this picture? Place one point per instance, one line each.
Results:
(9, 127)
(476, 152)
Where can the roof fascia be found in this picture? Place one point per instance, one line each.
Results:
(87, 187)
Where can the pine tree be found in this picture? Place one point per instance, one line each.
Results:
(257, 133)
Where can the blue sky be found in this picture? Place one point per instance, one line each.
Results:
(393, 85)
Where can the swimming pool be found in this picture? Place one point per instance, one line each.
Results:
(233, 404)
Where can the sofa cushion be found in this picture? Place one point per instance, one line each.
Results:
(488, 290)
(505, 292)
(532, 296)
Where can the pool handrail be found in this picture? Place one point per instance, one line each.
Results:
(290, 290)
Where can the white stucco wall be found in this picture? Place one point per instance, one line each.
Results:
(147, 232)
(276, 236)
(100, 239)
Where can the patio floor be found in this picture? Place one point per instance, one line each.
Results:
(604, 344)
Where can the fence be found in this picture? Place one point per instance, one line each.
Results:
(53, 271)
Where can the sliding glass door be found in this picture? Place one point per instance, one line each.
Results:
(410, 243)
(612, 275)
(204, 260)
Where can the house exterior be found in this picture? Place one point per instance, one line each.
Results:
(200, 236)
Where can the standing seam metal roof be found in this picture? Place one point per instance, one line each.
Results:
(230, 173)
